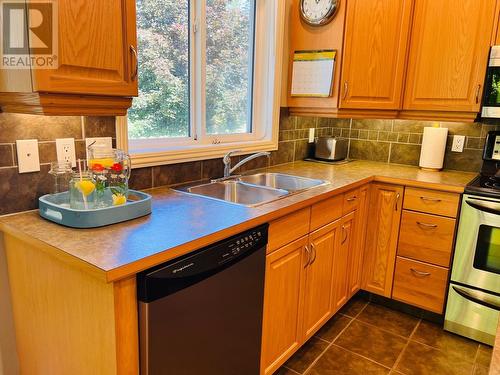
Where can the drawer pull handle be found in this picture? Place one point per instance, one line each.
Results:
(425, 225)
(419, 273)
(431, 199)
(308, 256)
(352, 199)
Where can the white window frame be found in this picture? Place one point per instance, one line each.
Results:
(267, 76)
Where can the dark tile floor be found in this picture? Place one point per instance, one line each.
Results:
(367, 338)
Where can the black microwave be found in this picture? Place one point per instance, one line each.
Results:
(491, 97)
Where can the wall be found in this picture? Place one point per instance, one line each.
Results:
(394, 141)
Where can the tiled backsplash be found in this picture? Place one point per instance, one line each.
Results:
(393, 141)
(19, 192)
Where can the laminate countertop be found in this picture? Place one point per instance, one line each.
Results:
(181, 223)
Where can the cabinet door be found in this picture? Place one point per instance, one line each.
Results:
(356, 258)
(341, 261)
(448, 54)
(318, 290)
(376, 40)
(97, 49)
(281, 331)
(382, 238)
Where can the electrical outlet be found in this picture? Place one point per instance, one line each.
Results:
(99, 141)
(311, 135)
(66, 150)
(28, 158)
(458, 143)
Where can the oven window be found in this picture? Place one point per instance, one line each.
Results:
(492, 95)
(487, 256)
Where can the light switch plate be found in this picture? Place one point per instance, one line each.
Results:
(66, 150)
(458, 143)
(28, 157)
(99, 141)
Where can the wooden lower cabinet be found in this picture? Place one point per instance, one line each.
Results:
(319, 277)
(284, 286)
(382, 237)
(420, 284)
(343, 252)
(357, 252)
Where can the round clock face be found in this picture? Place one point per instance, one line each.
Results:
(318, 12)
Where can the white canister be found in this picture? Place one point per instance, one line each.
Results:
(433, 148)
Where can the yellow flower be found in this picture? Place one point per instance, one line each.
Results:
(119, 199)
(85, 187)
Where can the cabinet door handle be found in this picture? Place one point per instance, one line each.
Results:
(308, 256)
(135, 72)
(397, 201)
(352, 199)
(477, 93)
(313, 255)
(346, 89)
(426, 225)
(419, 273)
(344, 235)
(435, 200)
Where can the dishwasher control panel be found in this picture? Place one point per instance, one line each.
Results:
(172, 275)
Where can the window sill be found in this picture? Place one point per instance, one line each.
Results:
(195, 153)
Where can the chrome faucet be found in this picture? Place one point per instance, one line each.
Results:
(227, 161)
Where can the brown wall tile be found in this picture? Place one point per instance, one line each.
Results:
(284, 154)
(100, 127)
(473, 130)
(15, 126)
(176, 173)
(468, 160)
(405, 154)
(213, 168)
(369, 150)
(372, 124)
(47, 151)
(410, 126)
(6, 156)
(141, 178)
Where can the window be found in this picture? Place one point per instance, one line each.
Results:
(208, 74)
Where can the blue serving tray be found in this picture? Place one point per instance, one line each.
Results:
(51, 209)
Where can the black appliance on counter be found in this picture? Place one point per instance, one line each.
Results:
(202, 313)
(491, 96)
(473, 306)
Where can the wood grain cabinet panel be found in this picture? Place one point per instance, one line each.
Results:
(319, 278)
(382, 238)
(288, 228)
(326, 211)
(97, 49)
(431, 201)
(449, 50)
(376, 41)
(420, 284)
(341, 261)
(427, 238)
(281, 331)
(356, 255)
(351, 201)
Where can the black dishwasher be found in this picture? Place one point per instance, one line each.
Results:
(202, 314)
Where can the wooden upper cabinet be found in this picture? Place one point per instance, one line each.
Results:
(97, 50)
(319, 278)
(375, 49)
(449, 50)
(382, 237)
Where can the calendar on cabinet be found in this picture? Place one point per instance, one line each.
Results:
(312, 73)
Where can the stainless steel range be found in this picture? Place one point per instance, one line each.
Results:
(473, 305)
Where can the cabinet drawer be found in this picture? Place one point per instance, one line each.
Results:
(351, 201)
(288, 228)
(428, 238)
(326, 211)
(431, 201)
(420, 284)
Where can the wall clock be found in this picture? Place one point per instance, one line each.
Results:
(318, 12)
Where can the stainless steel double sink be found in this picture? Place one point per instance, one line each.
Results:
(253, 190)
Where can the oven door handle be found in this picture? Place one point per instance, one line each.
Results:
(490, 207)
(483, 302)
